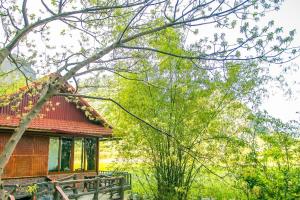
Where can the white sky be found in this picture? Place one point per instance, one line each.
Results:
(277, 104)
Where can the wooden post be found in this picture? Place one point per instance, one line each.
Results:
(74, 186)
(110, 184)
(34, 197)
(56, 194)
(96, 185)
(97, 156)
(14, 190)
(11, 197)
(121, 191)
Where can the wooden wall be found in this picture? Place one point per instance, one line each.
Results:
(30, 157)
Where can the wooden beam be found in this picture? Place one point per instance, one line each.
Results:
(59, 154)
(72, 155)
(97, 156)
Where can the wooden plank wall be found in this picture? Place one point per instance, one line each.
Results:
(30, 157)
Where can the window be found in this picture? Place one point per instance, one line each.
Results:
(72, 154)
(78, 154)
(53, 154)
(66, 149)
(90, 145)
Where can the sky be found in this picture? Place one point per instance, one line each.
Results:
(279, 105)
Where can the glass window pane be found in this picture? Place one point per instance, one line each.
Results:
(53, 154)
(78, 164)
(90, 153)
(66, 147)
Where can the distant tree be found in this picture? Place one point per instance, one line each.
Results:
(107, 32)
(269, 165)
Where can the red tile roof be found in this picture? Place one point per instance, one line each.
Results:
(58, 126)
(61, 117)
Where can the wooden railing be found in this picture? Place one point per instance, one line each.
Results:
(94, 186)
(70, 187)
(59, 193)
(126, 175)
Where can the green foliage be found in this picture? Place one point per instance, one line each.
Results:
(200, 124)
(10, 83)
(194, 117)
(270, 169)
(214, 187)
(32, 189)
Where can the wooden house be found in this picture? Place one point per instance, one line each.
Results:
(64, 138)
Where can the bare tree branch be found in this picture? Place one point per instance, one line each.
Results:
(24, 12)
(120, 106)
(27, 29)
(19, 68)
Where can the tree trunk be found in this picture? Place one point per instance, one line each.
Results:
(3, 54)
(47, 92)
